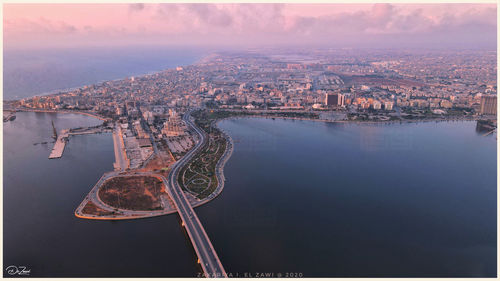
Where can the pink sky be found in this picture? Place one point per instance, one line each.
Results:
(71, 25)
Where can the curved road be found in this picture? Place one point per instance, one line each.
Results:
(205, 251)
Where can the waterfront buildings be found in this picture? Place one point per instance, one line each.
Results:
(365, 82)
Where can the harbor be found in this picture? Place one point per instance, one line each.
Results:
(63, 137)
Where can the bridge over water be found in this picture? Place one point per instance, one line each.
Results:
(205, 251)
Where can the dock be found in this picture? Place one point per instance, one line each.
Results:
(63, 136)
(59, 145)
(88, 131)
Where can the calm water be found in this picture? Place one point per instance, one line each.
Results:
(303, 197)
(33, 72)
(356, 200)
(40, 196)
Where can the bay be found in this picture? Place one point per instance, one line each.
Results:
(301, 197)
(356, 200)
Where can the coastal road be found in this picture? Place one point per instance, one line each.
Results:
(207, 257)
(120, 153)
(204, 249)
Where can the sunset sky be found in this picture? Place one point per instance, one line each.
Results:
(335, 25)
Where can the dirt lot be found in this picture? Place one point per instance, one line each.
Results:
(138, 193)
(160, 162)
(91, 209)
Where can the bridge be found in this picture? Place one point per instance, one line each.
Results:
(204, 249)
(207, 257)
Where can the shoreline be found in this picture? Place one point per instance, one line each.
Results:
(133, 214)
(219, 174)
(95, 115)
(219, 168)
(228, 152)
(151, 72)
(222, 161)
(351, 121)
(78, 211)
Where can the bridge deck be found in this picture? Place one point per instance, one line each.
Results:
(204, 249)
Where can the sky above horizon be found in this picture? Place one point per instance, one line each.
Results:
(252, 25)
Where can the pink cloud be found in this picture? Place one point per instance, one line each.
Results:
(244, 23)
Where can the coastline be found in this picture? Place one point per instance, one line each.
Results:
(230, 143)
(219, 168)
(142, 214)
(351, 121)
(144, 74)
(133, 214)
(95, 115)
(220, 163)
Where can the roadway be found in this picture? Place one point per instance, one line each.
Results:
(93, 196)
(207, 256)
(120, 154)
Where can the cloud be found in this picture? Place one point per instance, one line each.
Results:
(389, 19)
(237, 18)
(210, 14)
(251, 23)
(38, 26)
(136, 7)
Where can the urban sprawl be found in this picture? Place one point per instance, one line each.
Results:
(170, 153)
(355, 84)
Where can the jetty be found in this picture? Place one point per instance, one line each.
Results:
(63, 137)
(59, 145)
(89, 130)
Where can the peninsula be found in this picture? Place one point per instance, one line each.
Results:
(159, 119)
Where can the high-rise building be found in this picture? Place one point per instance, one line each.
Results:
(489, 105)
(334, 99)
(174, 126)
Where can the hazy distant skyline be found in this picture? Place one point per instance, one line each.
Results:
(251, 25)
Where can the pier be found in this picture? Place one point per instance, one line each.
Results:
(64, 135)
(59, 145)
(88, 130)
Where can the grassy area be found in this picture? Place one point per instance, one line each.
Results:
(206, 116)
(199, 175)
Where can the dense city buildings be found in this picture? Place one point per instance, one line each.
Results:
(324, 84)
(260, 122)
(360, 84)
